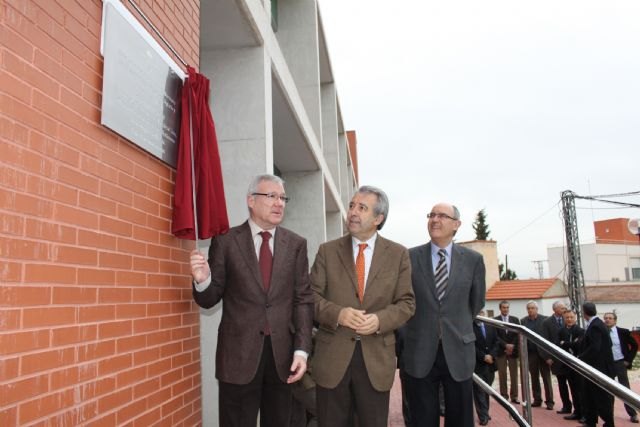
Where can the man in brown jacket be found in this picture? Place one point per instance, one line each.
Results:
(261, 271)
(362, 286)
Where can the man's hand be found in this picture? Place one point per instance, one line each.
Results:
(488, 359)
(549, 362)
(298, 368)
(199, 266)
(508, 350)
(370, 325)
(351, 318)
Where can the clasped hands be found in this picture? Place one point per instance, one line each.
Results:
(359, 321)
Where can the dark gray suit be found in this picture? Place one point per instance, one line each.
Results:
(439, 341)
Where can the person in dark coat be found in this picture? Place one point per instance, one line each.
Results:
(486, 353)
(537, 366)
(624, 351)
(550, 329)
(507, 360)
(596, 352)
(570, 340)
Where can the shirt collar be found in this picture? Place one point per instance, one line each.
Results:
(435, 248)
(255, 229)
(370, 243)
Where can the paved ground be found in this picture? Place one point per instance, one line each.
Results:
(500, 418)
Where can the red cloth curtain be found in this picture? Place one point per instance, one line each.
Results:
(210, 201)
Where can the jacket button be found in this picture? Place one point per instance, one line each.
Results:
(268, 305)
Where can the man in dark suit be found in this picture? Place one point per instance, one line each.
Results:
(362, 287)
(624, 349)
(550, 330)
(570, 340)
(261, 271)
(507, 354)
(596, 351)
(537, 365)
(486, 352)
(449, 284)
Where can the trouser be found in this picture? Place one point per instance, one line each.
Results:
(623, 378)
(537, 368)
(505, 362)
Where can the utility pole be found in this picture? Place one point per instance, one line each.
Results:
(539, 267)
(575, 276)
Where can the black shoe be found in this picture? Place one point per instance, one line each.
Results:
(549, 406)
(573, 417)
(563, 411)
(535, 404)
(582, 420)
(515, 401)
(634, 419)
(484, 422)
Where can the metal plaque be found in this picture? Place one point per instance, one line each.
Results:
(140, 89)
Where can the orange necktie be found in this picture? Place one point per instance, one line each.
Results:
(360, 270)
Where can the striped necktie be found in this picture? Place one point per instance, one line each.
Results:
(442, 275)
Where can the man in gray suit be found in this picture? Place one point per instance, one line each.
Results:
(261, 271)
(439, 341)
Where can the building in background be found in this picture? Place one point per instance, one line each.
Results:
(97, 322)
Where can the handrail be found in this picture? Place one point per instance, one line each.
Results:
(598, 378)
(502, 401)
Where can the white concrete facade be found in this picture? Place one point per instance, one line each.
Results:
(276, 110)
(601, 262)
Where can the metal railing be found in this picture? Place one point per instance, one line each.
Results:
(601, 380)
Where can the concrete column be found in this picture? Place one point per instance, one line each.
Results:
(306, 212)
(240, 102)
(330, 130)
(334, 225)
(298, 39)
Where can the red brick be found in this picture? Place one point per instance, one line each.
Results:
(160, 223)
(114, 260)
(114, 295)
(75, 255)
(78, 140)
(74, 295)
(158, 309)
(43, 361)
(16, 44)
(73, 334)
(131, 246)
(10, 177)
(114, 329)
(98, 313)
(81, 70)
(146, 264)
(18, 342)
(116, 193)
(48, 316)
(159, 397)
(46, 273)
(15, 87)
(55, 70)
(79, 105)
(144, 204)
(99, 169)
(131, 278)
(50, 231)
(53, 149)
(24, 249)
(94, 276)
(30, 75)
(15, 296)
(79, 217)
(150, 355)
(146, 325)
(114, 364)
(131, 376)
(11, 272)
(52, 190)
(23, 389)
(9, 368)
(167, 322)
(96, 240)
(30, 205)
(128, 344)
(45, 405)
(159, 280)
(131, 411)
(146, 388)
(9, 319)
(115, 226)
(159, 252)
(149, 418)
(96, 204)
(28, 115)
(145, 234)
(131, 215)
(171, 406)
(119, 162)
(78, 179)
(128, 311)
(98, 350)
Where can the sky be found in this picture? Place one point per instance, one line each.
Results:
(494, 105)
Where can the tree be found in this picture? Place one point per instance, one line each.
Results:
(480, 226)
(507, 274)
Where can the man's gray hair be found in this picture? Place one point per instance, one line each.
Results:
(555, 304)
(382, 205)
(253, 186)
(456, 212)
(533, 303)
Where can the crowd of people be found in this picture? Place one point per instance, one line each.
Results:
(601, 344)
(321, 346)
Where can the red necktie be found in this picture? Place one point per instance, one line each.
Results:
(266, 260)
(360, 270)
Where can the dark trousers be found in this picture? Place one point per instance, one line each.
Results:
(575, 384)
(422, 394)
(505, 362)
(354, 395)
(623, 378)
(597, 403)
(480, 397)
(240, 403)
(537, 368)
(563, 387)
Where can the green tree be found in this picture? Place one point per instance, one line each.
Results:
(507, 274)
(480, 226)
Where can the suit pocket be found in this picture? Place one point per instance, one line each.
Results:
(469, 338)
(389, 339)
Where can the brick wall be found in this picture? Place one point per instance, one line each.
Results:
(97, 324)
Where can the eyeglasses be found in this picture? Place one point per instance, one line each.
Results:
(272, 197)
(432, 215)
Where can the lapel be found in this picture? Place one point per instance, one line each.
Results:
(345, 253)
(425, 266)
(456, 259)
(280, 251)
(377, 261)
(247, 249)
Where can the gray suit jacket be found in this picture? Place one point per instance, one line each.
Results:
(288, 306)
(451, 318)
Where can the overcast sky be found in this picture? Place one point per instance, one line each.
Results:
(495, 105)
